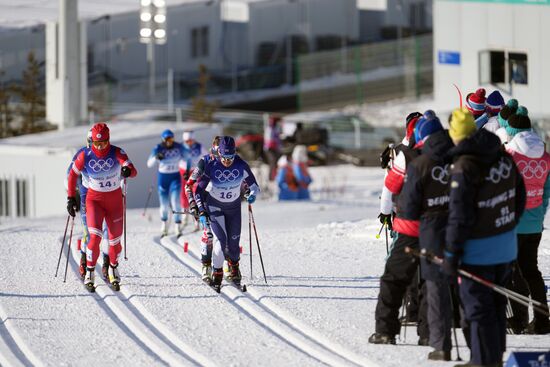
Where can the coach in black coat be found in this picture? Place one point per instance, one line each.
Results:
(425, 197)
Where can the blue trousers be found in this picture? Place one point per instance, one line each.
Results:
(485, 312)
(226, 225)
(169, 188)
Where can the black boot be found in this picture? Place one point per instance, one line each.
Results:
(379, 338)
(234, 272)
(105, 267)
(217, 277)
(439, 355)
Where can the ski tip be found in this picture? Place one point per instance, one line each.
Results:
(244, 289)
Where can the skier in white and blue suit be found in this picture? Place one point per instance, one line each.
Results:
(222, 178)
(169, 154)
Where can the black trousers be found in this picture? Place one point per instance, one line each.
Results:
(399, 272)
(485, 312)
(527, 279)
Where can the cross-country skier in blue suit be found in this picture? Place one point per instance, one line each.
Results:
(224, 176)
(169, 154)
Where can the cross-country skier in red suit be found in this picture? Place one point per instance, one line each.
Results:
(106, 165)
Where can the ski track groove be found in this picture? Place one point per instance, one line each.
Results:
(273, 318)
(144, 327)
(13, 350)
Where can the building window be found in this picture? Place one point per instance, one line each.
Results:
(199, 42)
(502, 67)
(4, 198)
(518, 67)
(21, 191)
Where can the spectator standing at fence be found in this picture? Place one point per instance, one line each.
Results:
(272, 144)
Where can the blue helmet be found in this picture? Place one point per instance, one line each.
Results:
(227, 147)
(167, 134)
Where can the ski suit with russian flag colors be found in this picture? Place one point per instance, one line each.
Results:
(196, 153)
(169, 183)
(104, 196)
(83, 191)
(223, 204)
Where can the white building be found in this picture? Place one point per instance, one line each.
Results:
(493, 44)
(33, 167)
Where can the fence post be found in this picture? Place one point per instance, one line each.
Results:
(298, 71)
(357, 63)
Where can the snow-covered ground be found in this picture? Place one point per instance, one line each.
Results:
(322, 262)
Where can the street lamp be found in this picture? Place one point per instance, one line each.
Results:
(152, 30)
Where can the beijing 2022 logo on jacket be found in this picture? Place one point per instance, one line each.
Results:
(226, 175)
(101, 164)
(441, 174)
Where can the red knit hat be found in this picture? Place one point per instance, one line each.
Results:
(100, 132)
(475, 102)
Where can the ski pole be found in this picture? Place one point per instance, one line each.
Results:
(380, 231)
(62, 244)
(387, 245)
(250, 241)
(124, 216)
(453, 321)
(68, 251)
(519, 298)
(147, 200)
(257, 241)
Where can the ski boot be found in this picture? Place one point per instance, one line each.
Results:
(207, 273)
(164, 229)
(114, 277)
(226, 272)
(179, 228)
(217, 277)
(379, 338)
(89, 280)
(234, 273)
(105, 267)
(82, 268)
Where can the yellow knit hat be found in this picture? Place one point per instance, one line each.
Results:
(462, 124)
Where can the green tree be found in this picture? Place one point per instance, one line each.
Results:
(201, 109)
(32, 100)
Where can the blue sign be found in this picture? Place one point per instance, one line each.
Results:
(448, 57)
(529, 359)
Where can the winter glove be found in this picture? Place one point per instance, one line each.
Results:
(386, 219)
(385, 158)
(160, 156)
(126, 171)
(72, 206)
(203, 220)
(194, 209)
(450, 264)
(251, 198)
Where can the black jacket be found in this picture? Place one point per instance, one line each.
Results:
(425, 197)
(487, 194)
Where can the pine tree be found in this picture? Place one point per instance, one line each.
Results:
(5, 112)
(32, 109)
(201, 109)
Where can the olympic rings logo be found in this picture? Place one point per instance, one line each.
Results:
(502, 172)
(226, 175)
(532, 169)
(171, 153)
(101, 164)
(441, 174)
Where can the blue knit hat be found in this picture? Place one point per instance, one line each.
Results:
(518, 122)
(507, 111)
(428, 124)
(494, 103)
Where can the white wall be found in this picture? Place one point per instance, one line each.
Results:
(471, 27)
